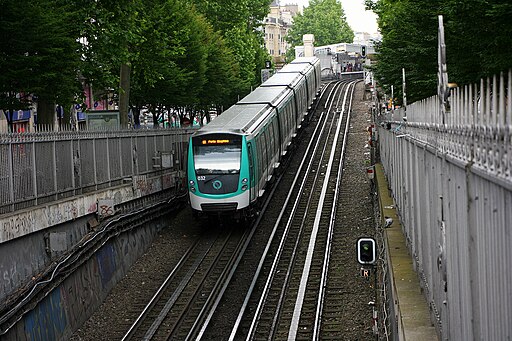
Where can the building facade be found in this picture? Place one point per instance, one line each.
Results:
(276, 27)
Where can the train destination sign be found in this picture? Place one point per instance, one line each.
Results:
(218, 141)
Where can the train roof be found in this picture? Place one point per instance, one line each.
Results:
(302, 68)
(305, 60)
(266, 95)
(283, 79)
(236, 119)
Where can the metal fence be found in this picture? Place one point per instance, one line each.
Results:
(451, 177)
(36, 168)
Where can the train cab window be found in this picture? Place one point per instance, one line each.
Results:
(217, 154)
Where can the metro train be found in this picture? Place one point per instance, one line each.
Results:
(232, 159)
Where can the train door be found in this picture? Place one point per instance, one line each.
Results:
(252, 171)
(266, 151)
(272, 148)
(260, 157)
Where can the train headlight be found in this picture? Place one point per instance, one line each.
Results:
(192, 189)
(191, 182)
(244, 180)
(244, 188)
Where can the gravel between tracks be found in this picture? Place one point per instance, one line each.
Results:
(172, 242)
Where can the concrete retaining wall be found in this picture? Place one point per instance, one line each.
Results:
(30, 239)
(67, 307)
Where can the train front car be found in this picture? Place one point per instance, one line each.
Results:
(218, 174)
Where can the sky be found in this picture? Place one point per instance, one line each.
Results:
(358, 19)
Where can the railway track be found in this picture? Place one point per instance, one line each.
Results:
(181, 306)
(286, 297)
(334, 297)
(288, 288)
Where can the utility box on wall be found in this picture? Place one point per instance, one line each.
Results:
(167, 159)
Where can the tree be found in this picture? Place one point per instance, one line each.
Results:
(162, 52)
(15, 64)
(238, 22)
(477, 34)
(39, 56)
(325, 19)
(170, 65)
(402, 47)
(222, 71)
(112, 34)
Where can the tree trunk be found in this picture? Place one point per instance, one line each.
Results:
(46, 114)
(124, 95)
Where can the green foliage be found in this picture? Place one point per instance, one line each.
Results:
(224, 15)
(326, 20)
(222, 71)
(170, 65)
(38, 53)
(179, 56)
(238, 22)
(478, 36)
(402, 47)
(112, 31)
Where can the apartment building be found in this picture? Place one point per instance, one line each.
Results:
(276, 26)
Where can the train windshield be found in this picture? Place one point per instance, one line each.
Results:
(217, 154)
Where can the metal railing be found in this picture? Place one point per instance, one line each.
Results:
(450, 172)
(36, 168)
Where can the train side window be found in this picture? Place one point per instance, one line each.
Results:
(272, 139)
(259, 152)
(289, 121)
(303, 97)
(293, 118)
(264, 159)
(280, 129)
(284, 124)
(275, 136)
(269, 144)
(286, 117)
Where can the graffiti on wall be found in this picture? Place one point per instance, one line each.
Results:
(17, 226)
(105, 207)
(168, 181)
(47, 321)
(57, 214)
(106, 259)
(142, 185)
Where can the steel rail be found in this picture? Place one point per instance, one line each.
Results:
(292, 333)
(202, 320)
(158, 293)
(86, 247)
(181, 289)
(332, 221)
(273, 270)
(296, 245)
(272, 236)
(293, 258)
